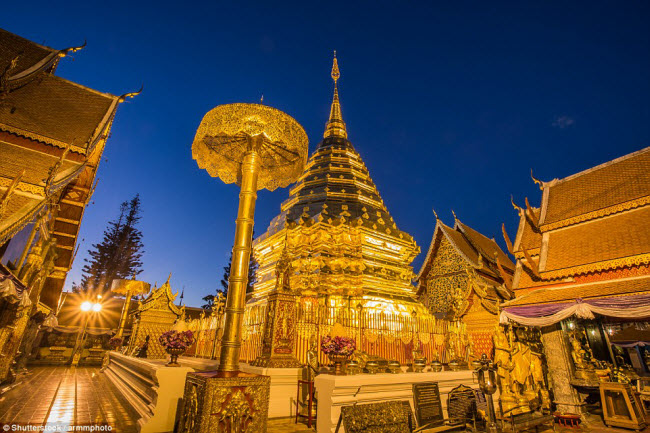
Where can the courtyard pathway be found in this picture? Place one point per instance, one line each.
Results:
(64, 396)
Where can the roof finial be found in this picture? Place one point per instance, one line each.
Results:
(537, 181)
(262, 99)
(169, 278)
(454, 214)
(335, 126)
(436, 215)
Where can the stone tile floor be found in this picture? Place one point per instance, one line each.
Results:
(63, 396)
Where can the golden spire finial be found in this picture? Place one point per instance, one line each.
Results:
(335, 126)
(336, 74)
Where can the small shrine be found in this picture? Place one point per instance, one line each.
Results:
(156, 314)
(464, 277)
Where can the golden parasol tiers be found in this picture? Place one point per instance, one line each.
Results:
(226, 134)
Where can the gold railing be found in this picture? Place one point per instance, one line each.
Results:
(389, 335)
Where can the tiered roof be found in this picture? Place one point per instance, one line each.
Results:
(480, 254)
(336, 185)
(52, 135)
(593, 222)
(336, 196)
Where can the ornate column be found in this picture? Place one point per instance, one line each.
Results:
(560, 369)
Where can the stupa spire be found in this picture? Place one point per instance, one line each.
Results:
(335, 126)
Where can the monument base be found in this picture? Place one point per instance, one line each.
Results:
(225, 402)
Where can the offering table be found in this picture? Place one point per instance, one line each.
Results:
(334, 392)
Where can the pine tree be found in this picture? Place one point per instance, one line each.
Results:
(252, 279)
(120, 252)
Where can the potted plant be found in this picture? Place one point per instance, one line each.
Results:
(338, 349)
(176, 343)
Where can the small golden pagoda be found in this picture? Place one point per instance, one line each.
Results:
(334, 262)
(156, 314)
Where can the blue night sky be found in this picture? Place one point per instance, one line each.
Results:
(449, 103)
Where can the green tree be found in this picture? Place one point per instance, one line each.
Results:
(119, 255)
(252, 279)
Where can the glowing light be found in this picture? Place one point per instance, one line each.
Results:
(86, 306)
(97, 308)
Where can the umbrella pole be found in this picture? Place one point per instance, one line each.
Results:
(235, 302)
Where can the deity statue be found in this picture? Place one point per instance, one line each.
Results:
(522, 360)
(313, 365)
(503, 362)
(581, 358)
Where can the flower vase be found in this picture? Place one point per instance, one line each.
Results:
(175, 353)
(339, 364)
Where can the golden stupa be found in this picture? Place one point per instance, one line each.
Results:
(334, 262)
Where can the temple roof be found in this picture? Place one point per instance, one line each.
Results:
(29, 57)
(597, 192)
(486, 246)
(527, 237)
(615, 241)
(469, 243)
(57, 112)
(571, 292)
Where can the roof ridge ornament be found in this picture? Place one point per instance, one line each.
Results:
(537, 181)
(123, 97)
(335, 126)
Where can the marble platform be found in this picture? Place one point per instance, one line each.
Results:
(333, 392)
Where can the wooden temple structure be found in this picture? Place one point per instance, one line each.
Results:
(464, 278)
(52, 135)
(583, 271)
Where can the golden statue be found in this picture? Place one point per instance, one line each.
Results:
(503, 362)
(581, 358)
(313, 366)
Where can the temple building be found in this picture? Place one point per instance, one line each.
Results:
(52, 136)
(335, 262)
(464, 277)
(583, 272)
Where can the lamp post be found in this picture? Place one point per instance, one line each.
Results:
(487, 381)
(87, 308)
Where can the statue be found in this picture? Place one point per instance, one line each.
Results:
(581, 358)
(503, 363)
(313, 366)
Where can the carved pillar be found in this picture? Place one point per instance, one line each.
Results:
(560, 370)
(225, 402)
(10, 348)
(29, 337)
(279, 335)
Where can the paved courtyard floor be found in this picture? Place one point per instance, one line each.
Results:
(64, 396)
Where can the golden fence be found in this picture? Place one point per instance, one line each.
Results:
(389, 335)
